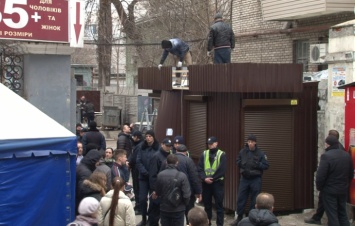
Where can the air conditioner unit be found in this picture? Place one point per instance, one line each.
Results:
(317, 53)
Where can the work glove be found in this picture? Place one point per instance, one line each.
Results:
(208, 53)
(159, 66)
(179, 64)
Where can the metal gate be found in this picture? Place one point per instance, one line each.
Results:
(11, 64)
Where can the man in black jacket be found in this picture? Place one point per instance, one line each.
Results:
(137, 140)
(124, 140)
(188, 167)
(334, 174)
(172, 211)
(221, 39)
(262, 214)
(316, 218)
(93, 136)
(145, 153)
(155, 167)
(251, 162)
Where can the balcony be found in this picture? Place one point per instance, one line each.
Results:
(299, 9)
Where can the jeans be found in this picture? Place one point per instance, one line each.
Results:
(222, 55)
(172, 218)
(246, 187)
(335, 207)
(215, 190)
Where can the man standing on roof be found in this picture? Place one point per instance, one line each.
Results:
(221, 39)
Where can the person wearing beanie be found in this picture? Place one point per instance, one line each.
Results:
(180, 51)
(252, 162)
(88, 211)
(84, 170)
(220, 39)
(187, 166)
(93, 136)
(334, 174)
(137, 139)
(156, 165)
(212, 167)
(145, 152)
(318, 215)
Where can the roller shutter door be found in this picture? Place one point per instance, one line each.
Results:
(197, 128)
(273, 128)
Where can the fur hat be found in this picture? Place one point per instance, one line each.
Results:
(88, 206)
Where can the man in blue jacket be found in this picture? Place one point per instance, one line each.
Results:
(180, 51)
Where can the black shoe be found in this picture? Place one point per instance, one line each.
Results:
(312, 221)
(142, 223)
(137, 212)
(235, 222)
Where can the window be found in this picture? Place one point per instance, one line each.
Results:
(79, 80)
(301, 53)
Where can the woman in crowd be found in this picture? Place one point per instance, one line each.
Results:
(116, 208)
(95, 186)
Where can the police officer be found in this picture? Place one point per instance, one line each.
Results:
(212, 167)
(251, 162)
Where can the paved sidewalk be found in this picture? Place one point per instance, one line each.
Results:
(294, 219)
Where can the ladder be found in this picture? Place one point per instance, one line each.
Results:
(148, 124)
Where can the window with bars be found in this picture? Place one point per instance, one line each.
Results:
(301, 53)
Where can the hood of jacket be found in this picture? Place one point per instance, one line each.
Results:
(91, 158)
(93, 186)
(262, 217)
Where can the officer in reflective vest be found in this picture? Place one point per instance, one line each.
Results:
(212, 167)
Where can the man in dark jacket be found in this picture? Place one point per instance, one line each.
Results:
(316, 218)
(156, 163)
(262, 214)
(334, 174)
(84, 170)
(172, 213)
(93, 136)
(251, 162)
(137, 140)
(145, 153)
(124, 140)
(221, 39)
(179, 49)
(212, 167)
(188, 167)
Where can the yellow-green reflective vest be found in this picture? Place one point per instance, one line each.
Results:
(209, 171)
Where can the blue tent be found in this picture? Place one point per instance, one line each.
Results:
(37, 165)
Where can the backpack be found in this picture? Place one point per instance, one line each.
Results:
(174, 196)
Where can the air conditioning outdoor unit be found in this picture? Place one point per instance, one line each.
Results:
(317, 53)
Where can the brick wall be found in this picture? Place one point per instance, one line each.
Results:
(276, 48)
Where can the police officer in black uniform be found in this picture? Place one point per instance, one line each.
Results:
(251, 162)
(212, 167)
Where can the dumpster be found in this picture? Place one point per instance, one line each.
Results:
(111, 117)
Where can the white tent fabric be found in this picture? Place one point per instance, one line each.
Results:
(20, 119)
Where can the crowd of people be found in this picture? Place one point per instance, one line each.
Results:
(166, 183)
